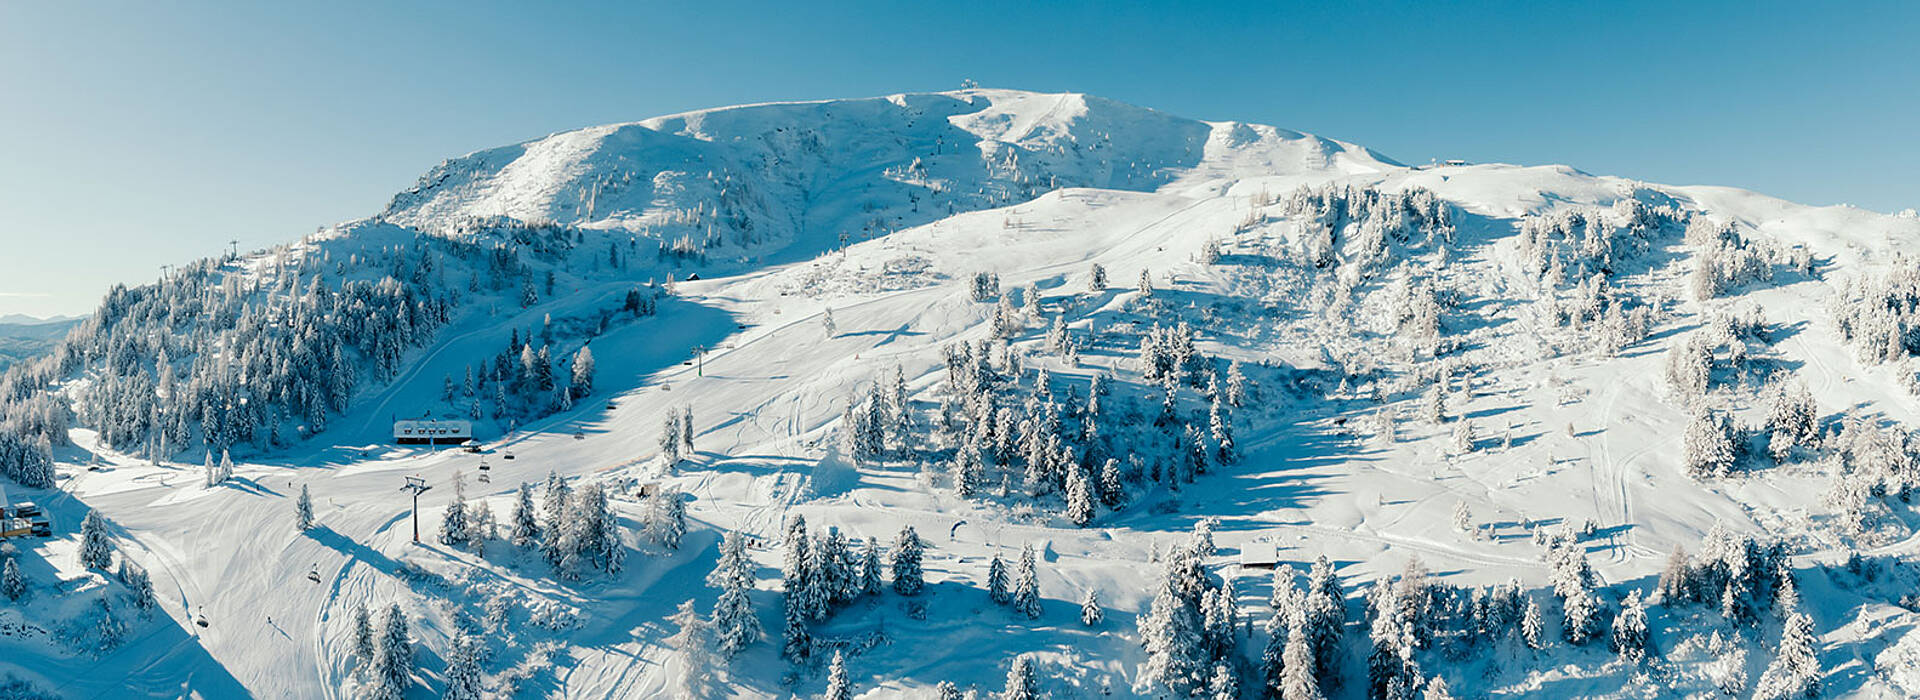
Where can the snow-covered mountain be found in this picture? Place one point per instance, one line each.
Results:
(1055, 329)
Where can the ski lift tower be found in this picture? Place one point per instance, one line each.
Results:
(418, 486)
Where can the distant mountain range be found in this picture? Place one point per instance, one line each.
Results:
(23, 337)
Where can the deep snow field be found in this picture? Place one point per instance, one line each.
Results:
(876, 214)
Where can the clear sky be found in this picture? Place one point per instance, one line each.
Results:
(134, 134)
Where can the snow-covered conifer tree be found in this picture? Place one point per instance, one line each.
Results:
(871, 581)
(1795, 670)
(670, 440)
(364, 650)
(453, 521)
(838, 687)
(583, 372)
(1079, 496)
(1097, 278)
(12, 584)
(997, 589)
(1298, 680)
(526, 528)
(734, 622)
(1221, 427)
(303, 510)
(1708, 448)
(692, 645)
(463, 669)
(1532, 627)
(1026, 585)
(907, 552)
(1021, 681)
(1172, 640)
(95, 551)
(1629, 638)
(393, 661)
(1223, 684)
(1090, 611)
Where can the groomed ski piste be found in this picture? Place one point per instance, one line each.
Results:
(870, 224)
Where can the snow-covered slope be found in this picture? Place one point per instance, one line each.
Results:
(836, 241)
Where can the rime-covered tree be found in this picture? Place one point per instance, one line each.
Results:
(364, 649)
(1462, 517)
(997, 588)
(1223, 684)
(692, 645)
(1298, 679)
(967, 472)
(796, 641)
(96, 552)
(1532, 626)
(1021, 681)
(670, 439)
(1708, 447)
(1795, 670)
(1463, 439)
(1221, 426)
(735, 625)
(663, 520)
(838, 687)
(1080, 497)
(463, 668)
(1145, 287)
(907, 553)
(12, 584)
(554, 509)
(871, 581)
(582, 372)
(393, 660)
(1090, 612)
(1629, 638)
(1026, 585)
(1097, 278)
(525, 529)
(303, 510)
(1792, 421)
(1170, 634)
(453, 521)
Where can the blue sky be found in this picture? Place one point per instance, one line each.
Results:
(135, 133)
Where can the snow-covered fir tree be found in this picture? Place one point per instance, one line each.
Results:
(453, 521)
(464, 679)
(871, 580)
(393, 659)
(96, 552)
(663, 518)
(1022, 682)
(13, 585)
(303, 510)
(1630, 638)
(693, 662)
(364, 643)
(1090, 612)
(907, 552)
(735, 625)
(1708, 448)
(838, 687)
(997, 588)
(1795, 670)
(582, 372)
(1026, 585)
(525, 528)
